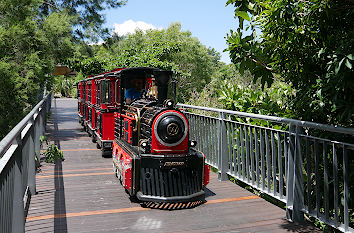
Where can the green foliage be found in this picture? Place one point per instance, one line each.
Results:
(87, 15)
(43, 139)
(30, 45)
(172, 49)
(11, 106)
(273, 101)
(308, 43)
(53, 153)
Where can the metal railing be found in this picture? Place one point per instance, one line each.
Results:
(293, 161)
(17, 166)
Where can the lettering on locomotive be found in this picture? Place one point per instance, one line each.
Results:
(172, 164)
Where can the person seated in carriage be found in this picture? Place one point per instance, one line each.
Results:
(136, 91)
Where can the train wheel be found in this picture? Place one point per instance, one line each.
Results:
(106, 154)
(98, 146)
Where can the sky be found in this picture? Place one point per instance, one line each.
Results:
(208, 20)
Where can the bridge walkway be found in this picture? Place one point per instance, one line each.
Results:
(82, 194)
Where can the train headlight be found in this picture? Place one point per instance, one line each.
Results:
(170, 128)
(193, 143)
(168, 103)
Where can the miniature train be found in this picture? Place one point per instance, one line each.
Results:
(146, 135)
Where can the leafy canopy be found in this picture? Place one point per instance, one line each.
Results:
(88, 17)
(308, 43)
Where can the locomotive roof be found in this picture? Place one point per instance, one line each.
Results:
(161, 76)
(138, 71)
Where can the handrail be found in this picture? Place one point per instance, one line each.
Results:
(6, 142)
(18, 151)
(336, 129)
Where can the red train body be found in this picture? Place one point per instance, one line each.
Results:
(147, 138)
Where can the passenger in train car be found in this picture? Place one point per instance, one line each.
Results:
(136, 91)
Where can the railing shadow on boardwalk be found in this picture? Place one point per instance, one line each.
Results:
(60, 222)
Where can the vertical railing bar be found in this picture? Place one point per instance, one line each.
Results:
(242, 153)
(290, 182)
(205, 133)
(346, 189)
(229, 150)
(335, 184)
(262, 158)
(298, 203)
(212, 142)
(286, 156)
(208, 142)
(325, 180)
(274, 166)
(257, 154)
(280, 166)
(238, 143)
(317, 177)
(200, 130)
(216, 143)
(201, 122)
(268, 161)
(308, 173)
(233, 149)
(252, 156)
(196, 129)
(247, 131)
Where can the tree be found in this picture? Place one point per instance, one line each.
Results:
(308, 43)
(29, 48)
(88, 15)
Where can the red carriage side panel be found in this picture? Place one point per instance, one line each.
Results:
(123, 163)
(107, 125)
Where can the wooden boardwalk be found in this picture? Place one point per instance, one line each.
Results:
(82, 194)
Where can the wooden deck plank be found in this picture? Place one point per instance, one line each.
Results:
(81, 194)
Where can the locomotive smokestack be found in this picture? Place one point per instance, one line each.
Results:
(162, 78)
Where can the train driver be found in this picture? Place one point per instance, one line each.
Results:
(136, 91)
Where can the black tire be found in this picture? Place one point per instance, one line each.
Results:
(98, 146)
(93, 139)
(133, 199)
(106, 154)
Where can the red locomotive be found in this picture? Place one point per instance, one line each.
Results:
(147, 136)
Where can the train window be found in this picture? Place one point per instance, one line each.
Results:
(106, 92)
(103, 91)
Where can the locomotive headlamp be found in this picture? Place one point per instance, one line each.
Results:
(170, 129)
(193, 143)
(143, 145)
(168, 103)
